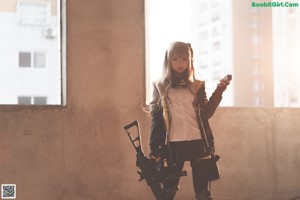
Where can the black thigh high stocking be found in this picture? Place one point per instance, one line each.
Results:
(171, 183)
(201, 170)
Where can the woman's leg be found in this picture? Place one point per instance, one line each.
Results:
(201, 170)
(173, 183)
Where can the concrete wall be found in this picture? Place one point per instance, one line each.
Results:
(81, 152)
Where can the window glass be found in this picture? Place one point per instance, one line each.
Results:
(40, 100)
(25, 59)
(39, 60)
(24, 100)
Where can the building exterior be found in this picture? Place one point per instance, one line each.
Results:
(236, 38)
(286, 40)
(30, 63)
(213, 43)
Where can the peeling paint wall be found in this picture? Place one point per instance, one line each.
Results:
(81, 152)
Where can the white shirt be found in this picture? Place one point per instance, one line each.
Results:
(183, 125)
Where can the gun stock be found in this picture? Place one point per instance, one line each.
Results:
(148, 168)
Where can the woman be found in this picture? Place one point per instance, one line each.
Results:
(180, 111)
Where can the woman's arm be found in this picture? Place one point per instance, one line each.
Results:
(157, 133)
(209, 106)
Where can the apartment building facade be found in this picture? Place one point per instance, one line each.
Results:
(30, 61)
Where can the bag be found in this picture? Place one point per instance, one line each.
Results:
(214, 168)
(207, 168)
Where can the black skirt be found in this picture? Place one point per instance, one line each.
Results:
(186, 151)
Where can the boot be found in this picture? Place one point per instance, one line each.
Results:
(204, 195)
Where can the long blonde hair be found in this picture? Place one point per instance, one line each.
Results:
(163, 85)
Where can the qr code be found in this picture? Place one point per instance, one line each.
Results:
(8, 191)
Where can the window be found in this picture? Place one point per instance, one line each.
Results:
(39, 60)
(215, 17)
(216, 46)
(216, 60)
(215, 31)
(218, 31)
(33, 52)
(203, 35)
(255, 25)
(40, 100)
(32, 100)
(33, 13)
(201, 29)
(24, 59)
(257, 39)
(32, 59)
(24, 100)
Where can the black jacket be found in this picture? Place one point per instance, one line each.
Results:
(207, 107)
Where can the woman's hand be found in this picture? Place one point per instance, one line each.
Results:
(157, 159)
(224, 82)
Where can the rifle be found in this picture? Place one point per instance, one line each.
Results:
(154, 173)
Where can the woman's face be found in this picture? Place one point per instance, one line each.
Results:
(180, 63)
